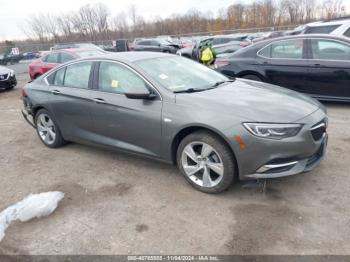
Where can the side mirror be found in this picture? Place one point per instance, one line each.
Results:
(141, 95)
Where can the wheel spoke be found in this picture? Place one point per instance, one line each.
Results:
(218, 168)
(206, 178)
(49, 123)
(206, 150)
(52, 134)
(190, 153)
(42, 120)
(191, 170)
(41, 128)
(47, 138)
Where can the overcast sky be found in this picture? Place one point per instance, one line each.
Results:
(14, 12)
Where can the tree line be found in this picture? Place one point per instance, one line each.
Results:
(96, 22)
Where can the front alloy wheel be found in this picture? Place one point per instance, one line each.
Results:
(206, 162)
(202, 164)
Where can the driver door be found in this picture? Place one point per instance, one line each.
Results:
(129, 124)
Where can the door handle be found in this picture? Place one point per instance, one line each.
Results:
(317, 65)
(55, 92)
(99, 100)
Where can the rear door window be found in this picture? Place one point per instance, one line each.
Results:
(59, 77)
(329, 50)
(289, 49)
(78, 75)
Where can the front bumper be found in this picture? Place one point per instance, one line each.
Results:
(292, 167)
(9, 82)
(269, 158)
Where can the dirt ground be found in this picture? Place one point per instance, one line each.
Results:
(120, 204)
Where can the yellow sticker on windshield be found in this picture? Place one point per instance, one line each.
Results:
(114, 84)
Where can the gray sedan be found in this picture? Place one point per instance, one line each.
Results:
(217, 130)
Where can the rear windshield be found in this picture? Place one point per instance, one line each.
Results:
(321, 29)
(89, 53)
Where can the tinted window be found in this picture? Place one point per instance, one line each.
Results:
(265, 52)
(329, 50)
(52, 58)
(292, 49)
(155, 43)
(216, 41)
(347, 33)
(77, 75)
(116, 78)
(66, 57)
(144, 43)
(321, 29)
(59, 77)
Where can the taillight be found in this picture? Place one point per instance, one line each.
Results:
(221, 63)
(23, 92)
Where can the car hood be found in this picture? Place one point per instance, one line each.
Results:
(4, 70)
(253, 101)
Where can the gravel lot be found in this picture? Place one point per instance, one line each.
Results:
(121, 204)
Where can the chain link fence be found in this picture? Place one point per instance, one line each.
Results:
(36, 47)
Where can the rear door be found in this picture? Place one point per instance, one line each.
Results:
(129, 124)
(70, 99)
(284, 63)
(329, 68)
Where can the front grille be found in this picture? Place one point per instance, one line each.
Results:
(3, 77)
(318, 130)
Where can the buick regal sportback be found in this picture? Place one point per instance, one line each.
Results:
(217, 130)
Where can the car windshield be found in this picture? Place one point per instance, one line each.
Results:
(179, 74)
(88, 53)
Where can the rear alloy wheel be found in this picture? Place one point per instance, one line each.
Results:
(47, 129)
(206, 162)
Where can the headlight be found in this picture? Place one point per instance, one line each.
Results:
(273, 131)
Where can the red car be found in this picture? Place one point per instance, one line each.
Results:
(47, 62)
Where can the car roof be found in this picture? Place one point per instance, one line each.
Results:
(326, 36)
(133, 56)
(128, 57)
(335, 22)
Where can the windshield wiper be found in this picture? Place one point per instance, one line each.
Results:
(191, 90)
(222, 82)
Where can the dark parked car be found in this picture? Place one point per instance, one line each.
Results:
(221, 44)
(318, 65)
(155, 45)
(176, 110)
(7, 78)
(10, 59)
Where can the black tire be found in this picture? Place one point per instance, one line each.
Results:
(253, 77)
(226, 155)
(58, 141)
(167, 51)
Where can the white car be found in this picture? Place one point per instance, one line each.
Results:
(337, 27)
